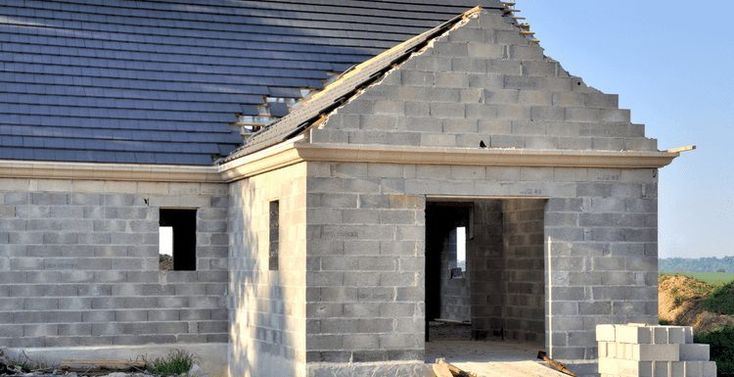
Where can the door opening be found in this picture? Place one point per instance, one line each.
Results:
(485, 271)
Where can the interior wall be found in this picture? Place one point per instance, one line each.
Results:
(506, 269)
(455, 293)
(485, 264)
(524, 282)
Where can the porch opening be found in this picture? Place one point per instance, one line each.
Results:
(485, 279)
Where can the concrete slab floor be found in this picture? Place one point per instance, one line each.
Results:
(480, 351)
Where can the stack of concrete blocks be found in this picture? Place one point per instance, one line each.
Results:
(638, 350)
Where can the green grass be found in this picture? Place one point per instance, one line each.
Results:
(721, 300)
(176, 362)
(713, 278)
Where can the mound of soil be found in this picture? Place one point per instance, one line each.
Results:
(166, 262)
(680, 302)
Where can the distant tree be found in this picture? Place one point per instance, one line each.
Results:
(706, 264)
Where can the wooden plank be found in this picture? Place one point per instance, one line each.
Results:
(555, 364)
(78, 364)
(441, 370)
(509, 369)
(455, 371)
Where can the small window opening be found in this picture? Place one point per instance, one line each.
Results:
(457, 264)
(274, 246)
(177, 239)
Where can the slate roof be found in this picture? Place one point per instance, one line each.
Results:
(312, 109)
(162, 82)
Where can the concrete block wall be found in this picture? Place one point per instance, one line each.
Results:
(79, 264)
(486, 266)
(365, 266)
(600, 242)
(484, 82)
(268, 308)
(523, 275)
(638, 350)
(507, 269)
(456, 292)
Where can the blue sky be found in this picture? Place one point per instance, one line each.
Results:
(672, 63)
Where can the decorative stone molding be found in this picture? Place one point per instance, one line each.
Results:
(293, 152)
(112, 171)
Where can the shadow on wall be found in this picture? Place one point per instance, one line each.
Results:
(264, 319)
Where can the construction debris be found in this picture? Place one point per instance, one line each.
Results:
(555, 364)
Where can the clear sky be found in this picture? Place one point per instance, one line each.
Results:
(672, 63)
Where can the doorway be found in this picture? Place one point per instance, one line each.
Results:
(485, 272)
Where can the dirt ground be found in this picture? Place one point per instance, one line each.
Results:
(680, 302)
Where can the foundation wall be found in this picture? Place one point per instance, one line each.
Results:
(79, 264)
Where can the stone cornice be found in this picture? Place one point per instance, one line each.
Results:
(486, 157)
(294, 151)
(277, 156)
(107, 171)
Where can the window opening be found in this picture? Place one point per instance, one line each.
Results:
(177, 239)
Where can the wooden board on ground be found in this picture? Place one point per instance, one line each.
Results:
(442, 370)
(73, 364)
(509, 369)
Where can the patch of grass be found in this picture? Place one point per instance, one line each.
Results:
(176, 362)
(722, 348)
(713, 278)
(721, 300)
(678, 300)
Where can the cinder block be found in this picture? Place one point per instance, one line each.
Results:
(632, 334)
(655, 352)
(693, 368)
(694, 352)
(677, 369)
(608, 366)
(660, 335)
(620, 367)
(688, 334)
(676, 335)
(661, 369)
(605, 333)
(709, 369)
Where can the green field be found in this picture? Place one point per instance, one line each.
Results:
(713, 278)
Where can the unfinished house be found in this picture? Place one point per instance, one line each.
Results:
(312, 189)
